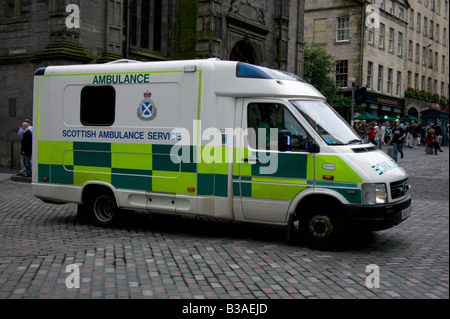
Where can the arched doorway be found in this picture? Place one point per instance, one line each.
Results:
(244, 51)
(413, 112)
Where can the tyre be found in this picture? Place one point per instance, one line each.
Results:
(322, 227)
(103, 209)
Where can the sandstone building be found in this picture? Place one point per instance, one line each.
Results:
(386, 46)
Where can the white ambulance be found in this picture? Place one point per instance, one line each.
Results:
(221, 139)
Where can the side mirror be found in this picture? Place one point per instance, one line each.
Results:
(312, 147)
(284, 140)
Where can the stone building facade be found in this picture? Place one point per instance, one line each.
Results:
(428, 52)
(36, 33)
(374, 43)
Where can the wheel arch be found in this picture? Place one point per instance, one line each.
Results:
(92, 188)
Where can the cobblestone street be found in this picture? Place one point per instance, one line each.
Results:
(178, 257)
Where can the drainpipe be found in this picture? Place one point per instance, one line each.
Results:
(127, 38)
(363, 20)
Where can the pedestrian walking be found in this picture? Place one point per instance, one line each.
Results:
(20, 133)
(432, 141)
(26, 148)
(398, 137)
(438, 133)
(379, 135)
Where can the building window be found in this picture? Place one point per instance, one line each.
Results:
(391, 7)
(410, 49)
(436, 38)
(400, 44)
(431, 34)
(399, 83)
(419, 19)
(443, 64)
(411, 19)
(424, 55)
(430, 59)
(382, 4)
(391, 40)
(417, 53)
(436, 60)
(381, 37)
(342, 73)
(422, 84)
(320, 31)
(416, 81)
(425, 26)
(16, 8)
(371, 35)
(343, 29)
(444, 37)
(400, 13)
(369, 75)
(389, 81)
(146, 24)
(409, 79)
(380, 79)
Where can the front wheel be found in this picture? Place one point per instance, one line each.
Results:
(103, 210)
(322, 227)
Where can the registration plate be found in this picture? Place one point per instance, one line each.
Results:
(406, 212)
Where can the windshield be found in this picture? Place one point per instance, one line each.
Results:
(327, 122)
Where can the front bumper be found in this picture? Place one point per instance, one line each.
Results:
(378, 217)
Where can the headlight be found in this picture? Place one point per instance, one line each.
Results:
(374, 194)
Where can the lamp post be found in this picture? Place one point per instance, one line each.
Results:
(352, 111)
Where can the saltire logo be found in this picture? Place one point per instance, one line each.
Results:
(147, 109)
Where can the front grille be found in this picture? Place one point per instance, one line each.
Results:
(399, 188)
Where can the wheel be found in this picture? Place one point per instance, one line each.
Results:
(322, 227)
(103, 209)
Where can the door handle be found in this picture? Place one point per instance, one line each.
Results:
(250, 160)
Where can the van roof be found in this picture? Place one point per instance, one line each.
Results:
(228, 75)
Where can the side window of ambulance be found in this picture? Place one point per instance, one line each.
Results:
(98, 105)
(265, 120)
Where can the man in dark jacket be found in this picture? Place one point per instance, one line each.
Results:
(26, 148)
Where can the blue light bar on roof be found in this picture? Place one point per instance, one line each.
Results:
(245, 70)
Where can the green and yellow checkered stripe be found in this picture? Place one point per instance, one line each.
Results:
(125, 166)
(149, 167)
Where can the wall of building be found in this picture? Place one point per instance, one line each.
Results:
(431, 75)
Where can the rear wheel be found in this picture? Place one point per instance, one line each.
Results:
(103, 209)
(322, 227)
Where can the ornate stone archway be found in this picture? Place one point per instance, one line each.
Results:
(244, 51)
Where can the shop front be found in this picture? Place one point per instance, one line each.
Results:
(382, 105)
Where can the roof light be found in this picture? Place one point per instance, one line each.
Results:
(190, 68)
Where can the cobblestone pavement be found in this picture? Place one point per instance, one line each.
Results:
(173, 257)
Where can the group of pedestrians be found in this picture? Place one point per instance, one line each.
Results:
(399, 135)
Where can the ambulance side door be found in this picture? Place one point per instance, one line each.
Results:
(269, 178)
